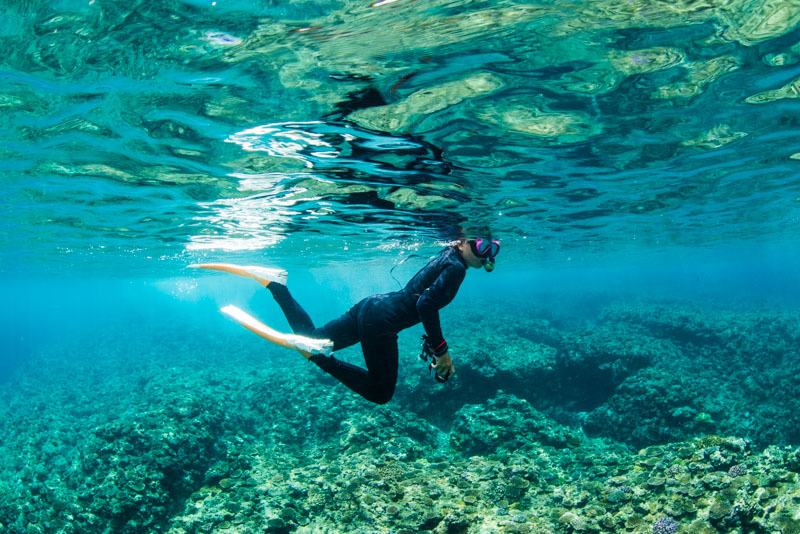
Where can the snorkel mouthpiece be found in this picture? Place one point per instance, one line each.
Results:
(488, 265)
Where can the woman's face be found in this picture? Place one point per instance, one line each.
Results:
(471, 259)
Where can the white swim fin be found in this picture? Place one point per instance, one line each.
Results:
(304, 345)
(262, 275)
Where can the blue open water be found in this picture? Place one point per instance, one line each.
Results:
(638, 161)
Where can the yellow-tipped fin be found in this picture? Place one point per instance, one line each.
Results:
(304, 345)
(262, 275)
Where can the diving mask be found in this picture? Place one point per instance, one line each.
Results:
(485, 250)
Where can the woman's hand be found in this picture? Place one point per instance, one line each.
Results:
(444, 366)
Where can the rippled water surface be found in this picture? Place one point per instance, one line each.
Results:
(188, 128)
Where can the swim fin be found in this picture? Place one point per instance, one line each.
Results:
(262, 275)
(304, 345)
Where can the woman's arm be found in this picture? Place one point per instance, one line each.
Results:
(440, 293)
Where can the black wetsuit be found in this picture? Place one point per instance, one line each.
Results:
(375, 322)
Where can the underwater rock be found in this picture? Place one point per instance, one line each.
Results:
(121, 465)
(604, 356)
(507, 357)
(430, 523)
(726, 343)
(506, 423)
(396, 433)
(278, 526)
(620, 376)
(641, 410)
(456, 526)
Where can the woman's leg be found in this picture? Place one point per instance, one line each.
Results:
(298, 318)
(377, 382)
(342, 331)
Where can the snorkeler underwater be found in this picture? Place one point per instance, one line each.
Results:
(399, 266)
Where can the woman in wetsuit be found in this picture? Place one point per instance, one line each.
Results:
(376, 320)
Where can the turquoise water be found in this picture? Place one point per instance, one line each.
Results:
(630, 366)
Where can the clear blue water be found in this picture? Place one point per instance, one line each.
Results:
(623, 152)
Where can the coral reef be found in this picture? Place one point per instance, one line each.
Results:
(116, 442)
(641, 373)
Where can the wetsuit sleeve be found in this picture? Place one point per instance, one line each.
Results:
(435, 297)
